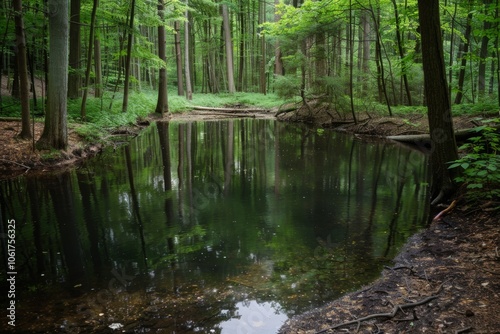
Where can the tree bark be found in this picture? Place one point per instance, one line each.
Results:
(98, 68)
(463, 54)
(229, 50)
(22, 66)
(83, 111)
(444, 148)
(178, 58)
(162, 102)
(483, 54)
(187, 62)
(74, 80)
(401, 53)
(55, 132)
(129, 58)
(365, 18)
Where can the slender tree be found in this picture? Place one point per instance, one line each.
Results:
(229, 50)
(463, 54)
(178, 58)
(483, 54)
(162, 102)
(128, 60)
(22, 66)
(444, 148)
(83, 113)
(187, 62)
(74, 80)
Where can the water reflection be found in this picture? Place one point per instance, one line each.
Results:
(200, 226)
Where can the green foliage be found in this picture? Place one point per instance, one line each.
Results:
(287, 86)
(481, 164)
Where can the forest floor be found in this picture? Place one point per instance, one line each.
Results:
(445, 280)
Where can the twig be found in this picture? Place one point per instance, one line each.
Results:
(16, 163)
(381, 315)
(463, 330)
(398, 267)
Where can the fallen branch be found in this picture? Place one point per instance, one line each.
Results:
(16, 163)
(227, 114)
(229, 110)
(381, 315)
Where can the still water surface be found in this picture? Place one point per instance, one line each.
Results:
(211, 227)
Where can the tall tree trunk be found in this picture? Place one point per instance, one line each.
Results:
(74, 80)
(229, 50)
(55, 132)
(452, 46)
(401, 53)
(178, 58)
(22, 66)
(262, 65)
(444, 148)
(463, 55)
(162, 102)
(382, 86)
(350, 42)
(365, 18)
(483, 54)
(129, 57)
(83, 113)
(187, 62)
(98, 68)
(241, 57)
(278, 62)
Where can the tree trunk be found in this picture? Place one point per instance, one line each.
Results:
(229, 50)
(98, 68)
(483, 54)
(278, 62)
(129, 58)
(83, 113)
(365, 18)
(463, 54)
(178, 58)
(350, 42)
(55, 132)
(22, 66)
(382, 86)
(74, 80)
(187, 62)
(162, 102)
(401, 53)
(444, 148)
(241, 57)
(262, 65)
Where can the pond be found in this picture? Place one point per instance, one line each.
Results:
(212, 227)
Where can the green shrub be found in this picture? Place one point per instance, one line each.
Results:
(481, 163)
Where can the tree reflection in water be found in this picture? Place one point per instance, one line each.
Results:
(194, 226)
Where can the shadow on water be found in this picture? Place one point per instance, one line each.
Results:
(213, 227)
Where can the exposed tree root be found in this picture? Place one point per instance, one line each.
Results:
(381, 315)
(445, 211)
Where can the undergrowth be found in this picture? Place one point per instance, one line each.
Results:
(481, 164)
